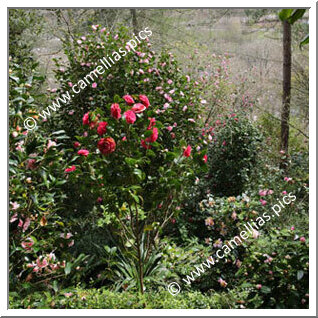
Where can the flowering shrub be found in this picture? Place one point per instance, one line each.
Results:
(38, 247)
(173, 95)
(236, 145)
(275, 274)
(137, 171)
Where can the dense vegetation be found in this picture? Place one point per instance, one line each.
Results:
(156, 164)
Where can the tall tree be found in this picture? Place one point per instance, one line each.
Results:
(286, 85)
(288, 17)
(134, 20)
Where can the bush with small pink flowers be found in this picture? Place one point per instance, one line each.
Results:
(39, 238)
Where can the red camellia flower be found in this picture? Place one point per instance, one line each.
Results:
(138, 108)
(154, 135)
(86, 119)
(129, 100)
(187, 151)
(76, 144)
(83, 152)
(106, 145)
(144, 99)
(70, 169)
(101, 129)
(115, 111)
(130, 116)
(152, 123)
(144, 145)
(205, 158)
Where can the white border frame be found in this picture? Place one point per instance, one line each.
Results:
(312, 166)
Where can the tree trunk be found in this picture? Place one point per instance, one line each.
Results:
(286, 85)
(134, 20)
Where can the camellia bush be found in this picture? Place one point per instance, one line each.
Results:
(175, 100)
(39, 238)
(138, 172)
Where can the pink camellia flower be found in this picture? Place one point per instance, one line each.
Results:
(292, 228)
(116, 37)
(168, 98)
(106, 145)
(166, 106)
(130, 116)
(287, 179)
(70, 294)
(51, 144)
(173, 135)
(94, 85)
(124, 138)
(83, 152)
(187, 151)
(138, 108)
(70, 169)
(262, 193)
(284, 192)
(263, 202)
(99, 200)
(27, 244)
(205, 158)
(154, 135)
(103, 30)
(115, 111)
(42, 263)
(209, 221)
(101, 129)
(169, 128)
(302, 239)
(258, 286)
(184, 108)
(129, 100)
(14, 217)
(222, 282)
(224, 143)
(15, 205)
(169, 81)
(70, 84)
(86, 119)
(255, 234)
(26, 224)
(144, 99)
(76, 144)
(191, 120)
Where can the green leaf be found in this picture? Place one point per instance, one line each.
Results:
(130, 161)
(55, 286)
(298, 13)
(117, 99)
(148, 133)
(285, 14)
(265, 290)
(68, 268)
(300, 274)
(304, 41)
